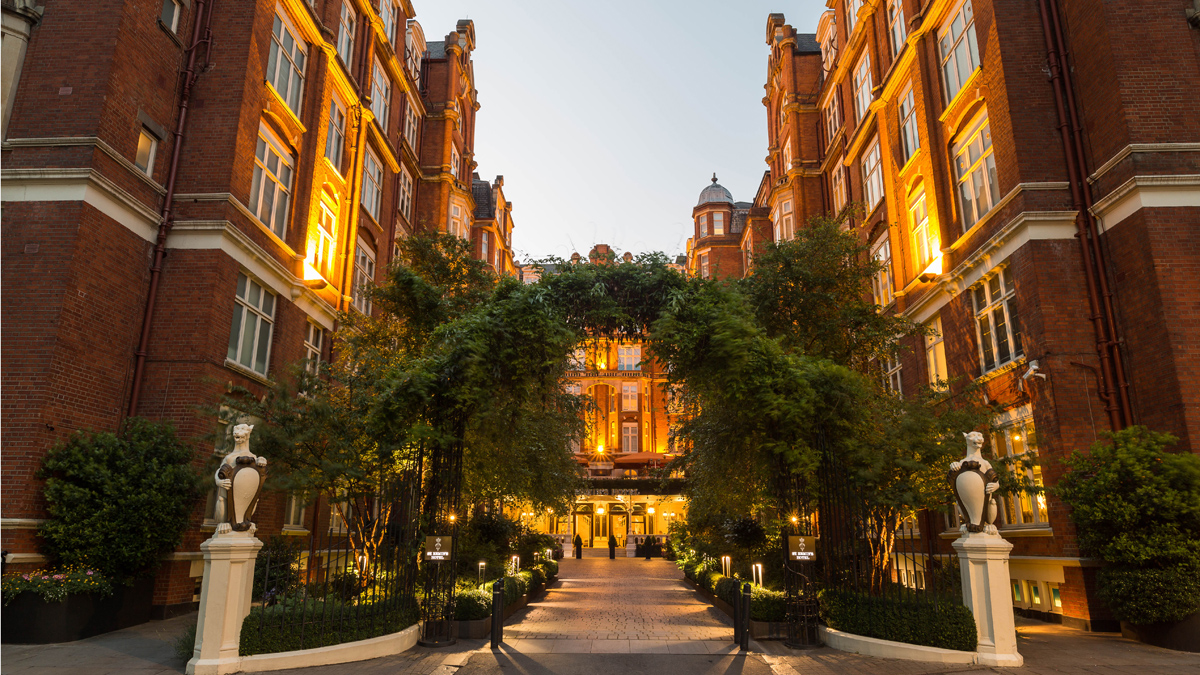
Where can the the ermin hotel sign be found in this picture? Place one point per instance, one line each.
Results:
(802, 548)
(437, 548)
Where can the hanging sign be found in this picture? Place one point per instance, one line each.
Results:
(802, 548)
(437, 548)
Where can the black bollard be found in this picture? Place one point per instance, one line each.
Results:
(497, 613)
(745, 612)
(737, 619)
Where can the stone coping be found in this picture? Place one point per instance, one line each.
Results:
(347, 652)
(868, 646)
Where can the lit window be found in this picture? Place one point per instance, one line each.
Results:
(718, 223)
(253, 322)
(335, 139)
(406, 190)
(171, 10)
(881, 283)
(975, 171)
(364, 276)
(411, 124)
(1055, 597)
(387, 13)
(786, 217)
(891, 374)
(704, 266)
(1035, 596)
(909, 139)
(704, 225)
(999, 324)
(926, 242)
(314, 340)
(959, 53)
(935, 354)
(285, 65)
(147, 148)
(322, 256)
(1016, 589)
(872, 174)
(629, 397)
(346, 28)
(837, 186)
(787, 156)
(293, 512)
(629, 358)
(271, 185)
(1019, 442)
(862, 87)
(372, 187)
(629, 437)
(895, 16)
(833, 115)
(578, 359)
(381, 96)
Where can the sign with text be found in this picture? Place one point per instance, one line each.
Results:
(802, 548)
(437, 548)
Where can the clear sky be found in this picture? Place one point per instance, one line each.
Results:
(607, 119)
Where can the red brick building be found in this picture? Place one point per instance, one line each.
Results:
(1030, 175)
(140, 273)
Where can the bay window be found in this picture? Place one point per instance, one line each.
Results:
(872, 175)
(958, 51)
(881, 282)
(271, 183)
(1017, 443)
(285, 63)
(975, 173)
(997, 320)
(926, 242)
(629, 357)
(252, 327)
(862, 87)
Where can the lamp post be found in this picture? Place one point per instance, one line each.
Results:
(482, 568)
(726, 564)
(757, 571)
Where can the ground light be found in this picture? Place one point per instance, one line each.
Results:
(757, 570)
(726, 564)
(516, 564)
(482, 567)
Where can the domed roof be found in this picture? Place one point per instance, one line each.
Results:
(714, 193)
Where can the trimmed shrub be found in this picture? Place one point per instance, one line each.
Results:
(512, 589)
(550, 567)
(473, 605)
(768, 605)
(525, 579)
(537, 576)
(267, 630)
(944, 625)
(1146, 596)
(727, 589)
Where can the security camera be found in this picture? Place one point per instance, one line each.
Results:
(1031, 372)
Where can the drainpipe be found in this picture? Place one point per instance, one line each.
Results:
(200, 35)
(1112, 381)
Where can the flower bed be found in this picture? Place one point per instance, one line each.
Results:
(45, 607)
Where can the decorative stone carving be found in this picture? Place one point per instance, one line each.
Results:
(239, 480)
(974, 481)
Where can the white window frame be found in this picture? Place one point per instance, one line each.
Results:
(862, 87)
(381, 96)
(455, 160)
(456, 227)
(252, 328)
(1021, 510)
(364, 277)
(484, 249)
(852, 7)
(387, 13)
(172, 21)
(703, 265)
(406, 193)
(935, 354)
(335, 138)
(785, 217)
(881, 283)
(274, 170)
(994, 302)
(703, 224)
(411, 124)
(412, 55)
(718, 224)
(897, 31)
(837, 186)
(910, 139)
(629, 397)
(324, 251)
(629, 357)
(977, 186)
(958, 50)
(147, 150)
(829, 51)
(926, 240)
(293, 513)
(629, 437)
(832, 113)
(872, 174)
(289, 83)
(892, 374)
(347, 25)
(314, 343)
(372, 184)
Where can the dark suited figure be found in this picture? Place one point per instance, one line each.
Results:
(578, 546)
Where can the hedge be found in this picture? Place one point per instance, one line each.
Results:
(323, 623)
(537, 576)
(514, 588)
(473, 605)
(945, 625)
(550, 568)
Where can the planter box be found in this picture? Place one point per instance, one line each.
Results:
(29, 619)
(473, 630)
(1181, 635)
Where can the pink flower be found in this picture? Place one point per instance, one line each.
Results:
(45, 577)
(26, 577)
(89, 573)
(58, 576)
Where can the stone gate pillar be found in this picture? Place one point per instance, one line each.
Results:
(224, 602)
(983, 559)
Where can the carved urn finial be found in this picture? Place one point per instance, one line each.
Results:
(239, 480)
(974, 480)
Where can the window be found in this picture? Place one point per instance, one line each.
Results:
(837, 186)
(787, 156)
(975, 171)
(271, 185)
(1018, 441)
(411, 124)
(364, 276)
(578, 359)
(413, 53)
(704, 266)
(146, 149)
(314, 339)
(909, 139)
(335, 140)
(718, 223)
(881, 283)
(862, 87)
(872, 175)
(485, 253)
(171, 10)
(285, 65)
(381, 96)
(785, 217)
(345, 39)
(387, 13)
(406, 190)
(1016, 587)
(833, 115)
(253, 321)
(935, 354)
(704, 225)
(959, 53)
(926, 242)
(895, 17)
(852, 7)
(629, 437)
(372, 187)
(629, 397)
(629, 358)
(323, 249)
(891, 374)
(454, 162)
(997, 319)
(293, 512)
(455, 226)
(829, 51)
